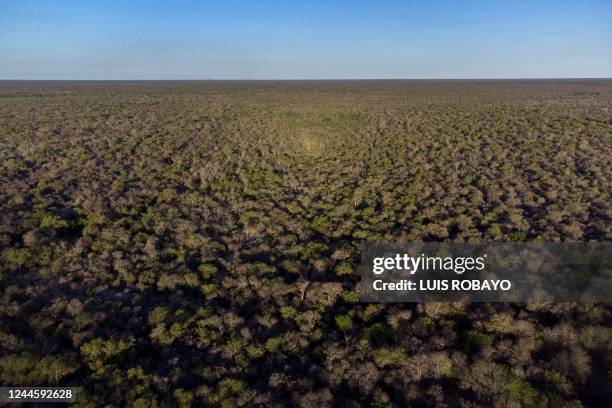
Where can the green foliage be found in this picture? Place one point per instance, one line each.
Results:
(558, 383)
(389, 357)
(350, 297)
(166, 335)
(255, 351)
(53, 222)
(30, 370)
(99, 352)
(183, 397)
(143, 402)
(344, 269)
(523, 393)
(208, 289)
(494, 231)
(191, 279)
(232, 393)
(344, 322)
(198, 243)
(249, 218)
(273, 344)
(208, 270)
(16, 257)
(518, 236)
(288, 312)
(321, 224)
(158, 315)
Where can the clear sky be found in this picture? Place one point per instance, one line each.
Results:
(309, 39)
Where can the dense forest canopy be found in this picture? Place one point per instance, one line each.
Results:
(198, 243)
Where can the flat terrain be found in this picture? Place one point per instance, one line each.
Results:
(198, 242)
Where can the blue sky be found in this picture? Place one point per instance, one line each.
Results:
(262, 39)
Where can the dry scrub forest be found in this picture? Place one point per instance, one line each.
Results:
(198, 243)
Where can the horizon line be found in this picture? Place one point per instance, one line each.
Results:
(299, 79)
